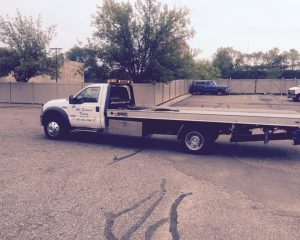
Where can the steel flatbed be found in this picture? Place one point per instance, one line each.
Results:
(279, 118)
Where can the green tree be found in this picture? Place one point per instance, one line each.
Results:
(293, 59)
(227, 60)
(204, 70)
(269, 64)
(93, 69)
(145, 41)
(7, 62)
(27, 43)
(275, 63)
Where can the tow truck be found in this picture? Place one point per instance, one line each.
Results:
(110, 108)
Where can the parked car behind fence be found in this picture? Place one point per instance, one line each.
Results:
(207, 86)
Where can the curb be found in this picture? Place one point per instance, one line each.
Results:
(175, 100)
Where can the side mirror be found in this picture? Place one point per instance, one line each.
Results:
(71, 98)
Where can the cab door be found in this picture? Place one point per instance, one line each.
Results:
(85, 109)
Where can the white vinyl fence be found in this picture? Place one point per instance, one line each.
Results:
(38, 93)
(145, 94)
(259, 86)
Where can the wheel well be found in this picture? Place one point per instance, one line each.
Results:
(208, 128)
(50, 114)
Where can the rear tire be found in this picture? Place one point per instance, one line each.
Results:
(298, 98)
(195, 141)
(220, 92)
(55, 128)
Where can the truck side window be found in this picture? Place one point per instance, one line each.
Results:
(119, 97)
(88, 95)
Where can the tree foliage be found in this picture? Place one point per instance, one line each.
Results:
(270, 64)
(26, 45)
(93, 69)
(7, 62)
(145, 41)
(204, 70)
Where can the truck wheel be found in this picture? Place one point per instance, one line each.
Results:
(54, 128)
(199, 92)
(298, 98)
(220, 92)
(195, 141)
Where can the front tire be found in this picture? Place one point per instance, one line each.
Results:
(199, 92)
(298, 98)
(55, 128)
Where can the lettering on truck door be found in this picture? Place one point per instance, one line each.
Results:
(85, 110)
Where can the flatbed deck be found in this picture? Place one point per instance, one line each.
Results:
(232, 116)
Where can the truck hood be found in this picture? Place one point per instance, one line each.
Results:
(56, 103)
(295, 88)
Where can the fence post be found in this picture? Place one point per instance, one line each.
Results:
(162, 92)
(154, 94)
(9, 92)
(56, 91)
(32, 90)
(170, 90)
(281, 88)
(242, 86)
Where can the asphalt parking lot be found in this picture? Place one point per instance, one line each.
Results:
(98, 187)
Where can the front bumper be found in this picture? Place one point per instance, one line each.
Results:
(41, 115)
(291, 94)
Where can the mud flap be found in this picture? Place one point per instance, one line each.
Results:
(296, 137)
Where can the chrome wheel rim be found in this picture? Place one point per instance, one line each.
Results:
(194, 141)
(53, 129)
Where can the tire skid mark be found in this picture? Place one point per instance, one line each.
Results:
(112, 217)
(154, 227)
(118, 159)
(174, 217)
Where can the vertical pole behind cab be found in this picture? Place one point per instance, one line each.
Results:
(132, 94)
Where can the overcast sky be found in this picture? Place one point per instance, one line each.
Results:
(244, 25)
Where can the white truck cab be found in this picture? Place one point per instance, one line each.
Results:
(294, 93)
(86, 109)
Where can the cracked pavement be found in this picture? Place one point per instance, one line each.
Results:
(102, 187)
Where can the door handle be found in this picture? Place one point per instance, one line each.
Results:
(97, 109)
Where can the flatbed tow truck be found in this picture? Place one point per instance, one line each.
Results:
(110, 107)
